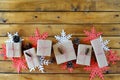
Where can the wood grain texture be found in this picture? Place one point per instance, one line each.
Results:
(114, 41)
(60, 17)
(53, 68)
(54, 76)
(53, 29)
(73, 16)
(62, 5)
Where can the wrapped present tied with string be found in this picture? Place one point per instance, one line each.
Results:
(44, 47)
(13, 45)
(64, 52)
(84, 54)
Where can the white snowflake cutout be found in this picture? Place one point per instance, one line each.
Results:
(43, 61)
(63, 37)
(10, 37)
(104, 44)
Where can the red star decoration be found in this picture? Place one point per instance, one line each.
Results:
(19, 64)
(112, 57)
(37, 36)
(95, 70)
(64, 67)
(3, 51)
(91, 35)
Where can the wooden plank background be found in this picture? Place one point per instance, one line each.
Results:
(73, 16)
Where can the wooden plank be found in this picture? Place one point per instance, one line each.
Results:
(53, 68)
(60, 17)
(114, 41)
(62, 5)
(54, 76)
(76, 30)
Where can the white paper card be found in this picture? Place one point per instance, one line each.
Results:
(44, 47)
(31, 58)
(84, 54)
(99, 53)
(68, 52)
(13, 49)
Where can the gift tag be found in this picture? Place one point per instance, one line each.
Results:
(84, 54)
(64, 52)
(44, 47)
(13, 49)
(99, 53)
(31, 58)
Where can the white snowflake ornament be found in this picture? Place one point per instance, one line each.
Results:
(63, 37)
(104, 44)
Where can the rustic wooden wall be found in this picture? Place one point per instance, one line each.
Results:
(52, 16)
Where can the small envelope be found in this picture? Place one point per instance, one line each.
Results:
(64, 52)
(99, 53)
(84, 54)
(31, 58)
(44, 47)
(13, 49)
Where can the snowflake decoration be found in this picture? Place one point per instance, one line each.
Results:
(43, 61)
(63, 37)
(112, 57)
(104, 44)
(69, 66)
(92, 34)
(19, 64)
(11, 37)
(95, 70)
(3, 51)
(37, 36)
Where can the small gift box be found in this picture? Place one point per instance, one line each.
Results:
(44, 47)
(13, 49)
(31, 58)
(84, 54)
(13, 45)
(64, 52)
(99, 52)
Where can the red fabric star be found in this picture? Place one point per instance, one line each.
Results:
(3, 51)
(37, 36)
(95, 70)
(91, 35)
(112, 57)
(64, 67)
(19, 64)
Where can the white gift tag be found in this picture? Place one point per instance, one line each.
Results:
(64, 52)
(84, 54)
(13, 49)
(99, 53)
(44, 47)
(31, 58)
